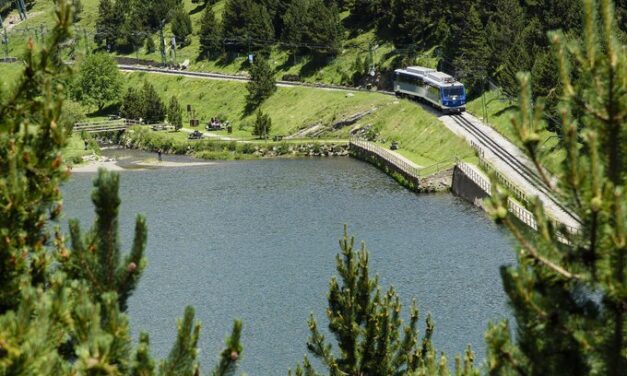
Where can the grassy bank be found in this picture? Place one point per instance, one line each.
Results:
(499, 115)
(422, 137)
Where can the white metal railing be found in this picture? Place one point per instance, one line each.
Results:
(104, 125)
(389, 156)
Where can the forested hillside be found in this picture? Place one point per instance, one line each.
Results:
(338, 41)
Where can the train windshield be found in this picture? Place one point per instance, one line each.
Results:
(453, 91)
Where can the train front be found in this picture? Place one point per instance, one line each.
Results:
(453, 98)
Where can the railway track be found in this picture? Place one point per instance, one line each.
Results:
(233, 77)
(512, 161)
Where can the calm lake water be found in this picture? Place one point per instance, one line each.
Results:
(257, 241)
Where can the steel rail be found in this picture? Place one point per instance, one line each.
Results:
(523, 170)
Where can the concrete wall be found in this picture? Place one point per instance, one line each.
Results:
(437, 182)
(466, 188)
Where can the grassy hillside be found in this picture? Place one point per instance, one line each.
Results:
(422, 137)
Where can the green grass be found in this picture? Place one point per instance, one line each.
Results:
(500, 112)
(423, 138)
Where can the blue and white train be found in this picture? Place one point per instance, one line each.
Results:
(437, 88)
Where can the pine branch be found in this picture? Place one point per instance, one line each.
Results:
(231, 354)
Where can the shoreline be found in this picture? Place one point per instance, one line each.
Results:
(130, 164)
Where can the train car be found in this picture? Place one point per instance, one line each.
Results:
(437, 88)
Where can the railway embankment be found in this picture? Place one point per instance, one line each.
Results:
(407, 173)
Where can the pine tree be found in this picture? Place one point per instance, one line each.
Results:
(96, 257)
(324, 30)
(408, 22)
(154, 109)
(569, 299)
(263, 125)
(209, 35)
(471, 62)
(31, 166)
(50, 323)
(366, 322)
(132, 104)
(106, 25)
(261, 85)
(504, 34)
(181, 26)
(175, 114)
(294, 23)
(247, 23)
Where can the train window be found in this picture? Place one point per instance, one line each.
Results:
(453, 91)
(409, 79)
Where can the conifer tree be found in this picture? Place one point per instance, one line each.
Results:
(154, 110)
(261, 85)
(106, 24)
(96, 258)
(569, 299)
(209, 35)
(263, 125)
(324, 30)
(31, 167)
(50, 323)
(175, 114)
(294, 23)
(366, 322)
(181, 26)
(247, 23)
(132, 104)
(408, 21)
(471, 62)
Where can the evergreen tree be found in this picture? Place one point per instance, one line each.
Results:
(181, 26)
(363, 12)
(471, 62)
(261, 85)
(408, 22)
(504, 34)
(295, 23)
(324, 30)
(154, 109)
(569, 299)
(132, 104)
(99, 81)
(175, 114)
(49, 322)
(106, 24)
(96, 258)
(263, 125)
(247, 24)
(209, 34)
(366, 322)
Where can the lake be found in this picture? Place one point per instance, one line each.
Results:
(257, 240)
